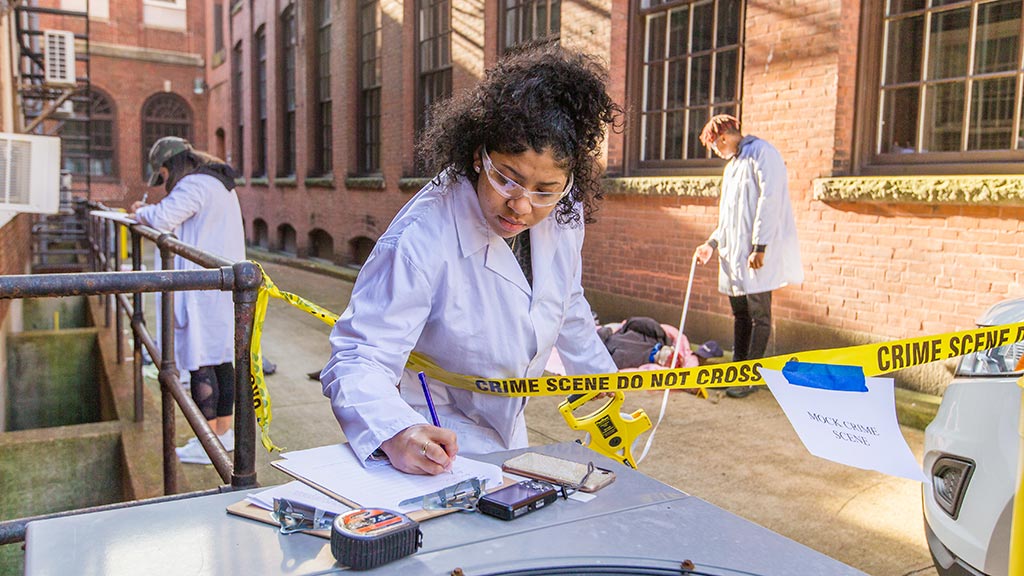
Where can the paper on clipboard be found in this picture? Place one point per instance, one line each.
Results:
(122, 217)
(336, 470)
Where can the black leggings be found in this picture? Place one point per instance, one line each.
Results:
(213, 389)
(752, 325)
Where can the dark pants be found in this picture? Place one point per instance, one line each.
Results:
(752, 325)
(213, 389)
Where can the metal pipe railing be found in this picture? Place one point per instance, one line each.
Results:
(111, 285)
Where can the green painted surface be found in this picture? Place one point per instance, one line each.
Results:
(44, 471)
(39, 313)
(12, 559)
(53, 378)
(56, 469)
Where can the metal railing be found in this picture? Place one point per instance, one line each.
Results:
(112, 285)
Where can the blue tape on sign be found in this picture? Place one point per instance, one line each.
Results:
(825, 376)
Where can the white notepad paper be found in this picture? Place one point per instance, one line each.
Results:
(336, 469)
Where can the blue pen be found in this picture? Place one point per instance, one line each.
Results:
(430, 401)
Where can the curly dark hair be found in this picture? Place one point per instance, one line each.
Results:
(540, 96)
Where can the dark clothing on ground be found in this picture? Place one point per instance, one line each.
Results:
(633, 344)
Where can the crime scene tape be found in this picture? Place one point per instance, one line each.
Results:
(875, 359)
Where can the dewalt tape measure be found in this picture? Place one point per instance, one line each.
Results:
(368, 537)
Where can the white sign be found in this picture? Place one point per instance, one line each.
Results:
(853, 428)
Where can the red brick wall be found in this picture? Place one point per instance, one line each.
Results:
(884, 270)
(14, 252)
(129, 82)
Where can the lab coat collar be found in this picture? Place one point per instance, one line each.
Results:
(470, 226)
(474, 235)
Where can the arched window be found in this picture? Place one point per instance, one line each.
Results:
(360, 249)
(260, 234)
(164, 114)
(321, 245)
(286, 239)
(93, 120)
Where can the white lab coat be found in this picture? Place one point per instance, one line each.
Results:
(754, 208)
(440, 282)
(200, 211)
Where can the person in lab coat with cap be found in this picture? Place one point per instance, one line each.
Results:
(201, 209)
(481, 270)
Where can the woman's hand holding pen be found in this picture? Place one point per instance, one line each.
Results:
(422, 449)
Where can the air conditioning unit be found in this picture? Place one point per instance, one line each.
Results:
(29, 173)
(59, 57)
(65, 110)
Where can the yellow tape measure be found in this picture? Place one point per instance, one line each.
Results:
(875, 359)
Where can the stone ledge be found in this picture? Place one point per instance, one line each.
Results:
(143, 54)
(413, 183)
(693, 186)
(365, 183)
(977, 190)
(319, 182)
(341, 272)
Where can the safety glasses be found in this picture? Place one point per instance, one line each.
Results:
(512, 190)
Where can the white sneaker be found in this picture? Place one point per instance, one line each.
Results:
(193, 453)
(228, 439)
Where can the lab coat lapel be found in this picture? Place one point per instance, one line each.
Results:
(542, 252)
(502, 261)
(474, 235)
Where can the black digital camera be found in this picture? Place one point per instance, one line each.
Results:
(517, 499)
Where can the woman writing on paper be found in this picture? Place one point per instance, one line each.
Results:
(481, 270)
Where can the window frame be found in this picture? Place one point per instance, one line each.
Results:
(368, 134)
(867, 132)
(238, 77)
(636, 74)
(523, 6)
(188, 122)
(442, 72)
(322, 159)
(96, 96)
(288, 95)
(259, 79)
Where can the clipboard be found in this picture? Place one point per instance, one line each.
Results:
(417, 515)
(251, 511)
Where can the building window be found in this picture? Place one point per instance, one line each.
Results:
(167, 14)
(218, 26)
(288, 48)
(239, 119)
(259, 167)
(690, 69)
(524, 20)
(369, 85)
(948, 89)
(164, 114)
(93, 122)
(434, 55)
(324, 140)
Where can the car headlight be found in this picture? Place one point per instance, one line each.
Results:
(950, 477)
(1001, 361)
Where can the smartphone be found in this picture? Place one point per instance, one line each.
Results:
(558, 470)
(513, 501)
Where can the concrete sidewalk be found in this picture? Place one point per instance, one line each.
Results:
(741, 455)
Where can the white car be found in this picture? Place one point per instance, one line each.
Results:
(971, 452)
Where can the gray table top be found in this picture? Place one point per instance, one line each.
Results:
(634, 522)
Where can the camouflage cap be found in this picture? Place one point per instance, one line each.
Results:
(163, 150)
